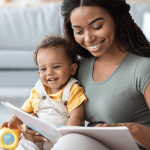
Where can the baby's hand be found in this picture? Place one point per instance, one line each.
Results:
(5, 124)
(11, 125)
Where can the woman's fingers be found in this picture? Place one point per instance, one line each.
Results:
(114, 125)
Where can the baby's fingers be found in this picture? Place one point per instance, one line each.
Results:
(12, 125)
(5, 124)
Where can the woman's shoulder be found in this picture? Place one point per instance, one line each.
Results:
(143, 66)
(141, 72)
(135, 60)
(140, 61)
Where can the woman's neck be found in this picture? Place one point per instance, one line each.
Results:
(105, 65)
(113, 56)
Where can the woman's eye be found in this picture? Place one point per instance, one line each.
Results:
(78, 32)
(97, 27)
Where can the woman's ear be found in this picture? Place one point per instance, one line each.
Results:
(74, 68)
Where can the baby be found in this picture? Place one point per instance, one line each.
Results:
(56, 97)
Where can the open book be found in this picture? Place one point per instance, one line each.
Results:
(114, 138)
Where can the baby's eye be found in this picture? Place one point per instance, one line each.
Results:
(43, 69)
(97, 27)
(56, 67)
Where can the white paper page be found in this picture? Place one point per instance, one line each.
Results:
(44, 128)
(115, 138)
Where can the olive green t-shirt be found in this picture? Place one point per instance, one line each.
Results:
(119, 98)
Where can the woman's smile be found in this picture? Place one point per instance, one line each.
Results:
(94, 48)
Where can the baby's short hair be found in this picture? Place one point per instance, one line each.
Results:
(55, 41)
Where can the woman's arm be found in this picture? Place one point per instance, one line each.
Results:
(76, 116)
(147, 95)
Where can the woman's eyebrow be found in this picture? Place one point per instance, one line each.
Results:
(89, 23)
(75, 26)
(95, 20)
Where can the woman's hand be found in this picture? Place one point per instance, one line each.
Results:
(140, 133)
(32, 135)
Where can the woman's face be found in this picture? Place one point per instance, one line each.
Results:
(94, 29)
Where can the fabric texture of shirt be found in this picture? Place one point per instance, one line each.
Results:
(77, 96)
(119, 98)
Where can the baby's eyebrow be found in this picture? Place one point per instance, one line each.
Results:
(41, 66)
(57, 63)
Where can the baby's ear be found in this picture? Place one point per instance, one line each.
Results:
(39, 73)
(74, 67)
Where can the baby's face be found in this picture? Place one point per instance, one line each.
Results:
(55, 67)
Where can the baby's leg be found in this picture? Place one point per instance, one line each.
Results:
(28, 145)
(47, 146)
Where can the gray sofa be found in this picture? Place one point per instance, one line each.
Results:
(21, 29)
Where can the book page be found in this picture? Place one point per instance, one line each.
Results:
(46, 129)
(115, 138)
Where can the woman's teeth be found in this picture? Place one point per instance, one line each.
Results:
(93, 47)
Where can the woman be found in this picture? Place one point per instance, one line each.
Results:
(114, 71)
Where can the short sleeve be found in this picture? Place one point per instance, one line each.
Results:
(77, 96)
(31, 104)
(142, 74)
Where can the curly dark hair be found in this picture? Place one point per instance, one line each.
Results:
(55, 41)
(126, 30)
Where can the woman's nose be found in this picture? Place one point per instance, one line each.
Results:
(89, 37)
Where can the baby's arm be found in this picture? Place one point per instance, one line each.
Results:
(13, 122)
(76, 116)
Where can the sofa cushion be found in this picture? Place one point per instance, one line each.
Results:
(17, 59)
(18, 78)
(23, 27)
